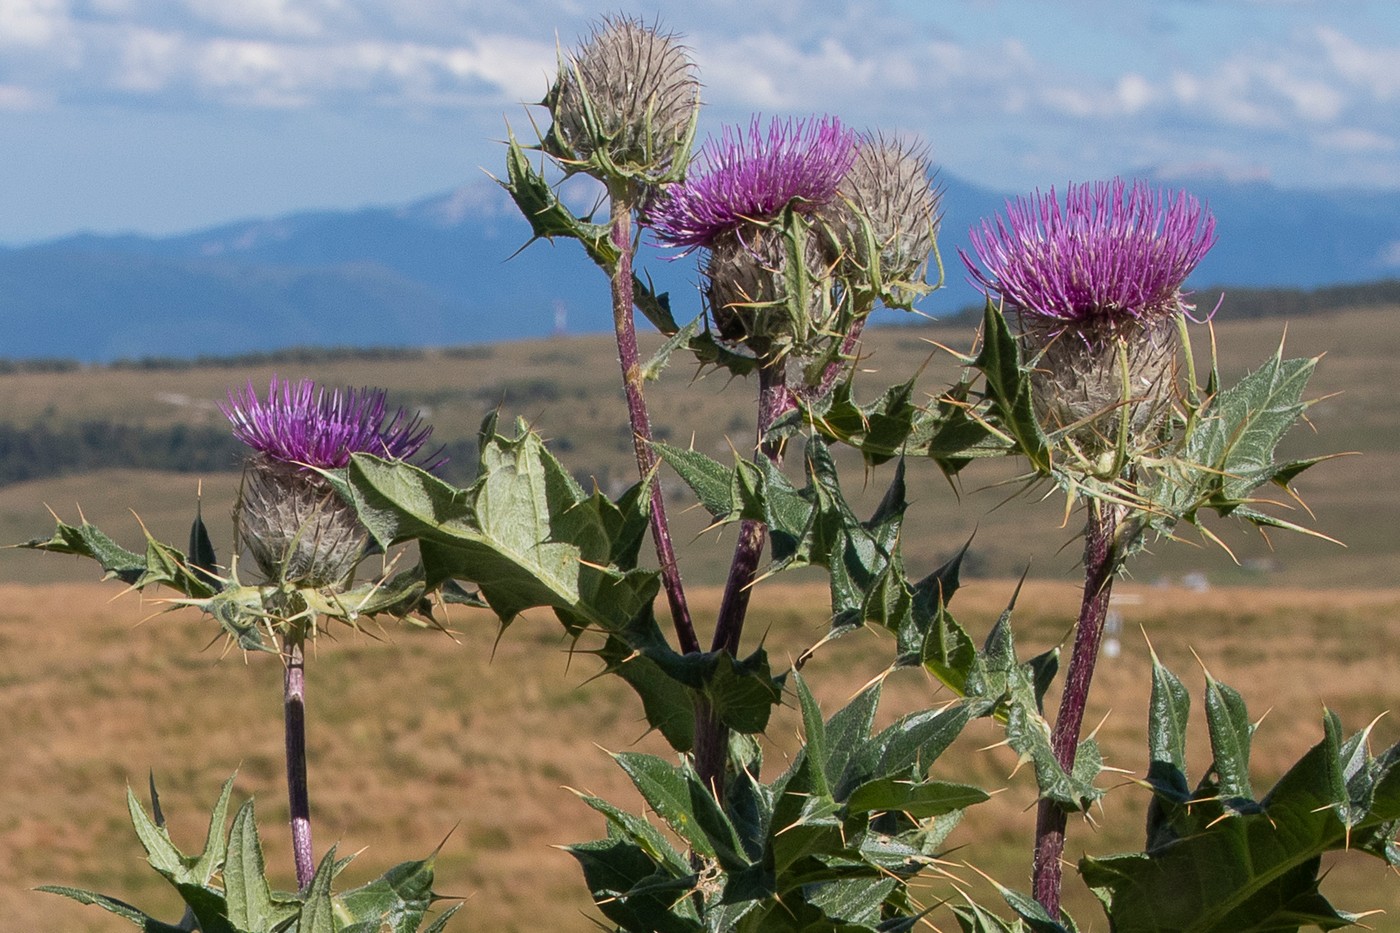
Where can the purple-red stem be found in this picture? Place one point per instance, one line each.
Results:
(842, 362)
(711, 735)
(630, 361)
(294, 717)
(1100, 567)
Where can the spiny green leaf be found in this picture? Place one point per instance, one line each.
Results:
(317, 910)
(499, 535)
(87, 540)
(631, 892)
(743, 693)
(668, 704)
(856, 903)
(397, 900)
(1253, 868)
(643, 834)
(974, 918)
(547, 214)
(848, 730)
(1230, 731)
(918, 800)
(165, 858)
(1036, 918)
(907, 747)
(203, 560)
(122, 909)
(814, 734)
(710, 480)
(162, 854)
(208, 907)
(681, 338)
(1168, 711)
(160, 565)
(250, 903)
(440, 923)
(893, 426)
(1009, 388)
(687, 806)
(1230, 448)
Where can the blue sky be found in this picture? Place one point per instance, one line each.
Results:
(157, 116)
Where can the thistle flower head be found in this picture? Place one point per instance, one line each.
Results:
(1096, 284)
(751, 177)
(296, 526)
(1112, 256)
(625, 103)
(303, 423)
(889, 216)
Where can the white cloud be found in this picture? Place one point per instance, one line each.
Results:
(1135, 92)
(17, 99)
(1376, 69)
(1389, 257)
(286, 18)
(148, 61)
(34, 23)
(1357, 139)
(292, 74)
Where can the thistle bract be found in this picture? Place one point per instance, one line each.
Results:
(625, 104)
(888, 217)
(1096, 283)
(296, 527)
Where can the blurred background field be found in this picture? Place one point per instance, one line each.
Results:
(417, 736)
(143, 437)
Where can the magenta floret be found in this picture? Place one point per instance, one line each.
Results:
(753, 176)
(305, 423)
(1112, 255)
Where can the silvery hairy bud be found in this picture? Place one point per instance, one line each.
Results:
(624, 105)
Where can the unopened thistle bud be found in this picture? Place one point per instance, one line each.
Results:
(296, 527)
(1096, 284)
(889, 218)
(624, 105)
(751, 206)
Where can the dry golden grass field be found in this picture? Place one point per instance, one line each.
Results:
(416, 737)
(568, 389)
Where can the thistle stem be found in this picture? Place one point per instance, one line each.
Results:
(711, 735)
(841, 364)
(1101, 561)
(294, 718)
(630, 361)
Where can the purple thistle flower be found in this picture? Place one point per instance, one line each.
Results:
(305, 423)
(753, 176)
(1112, 256)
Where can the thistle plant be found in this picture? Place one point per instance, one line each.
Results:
(1096, 284)
(301, 533)
(802, 230)
(307, 541)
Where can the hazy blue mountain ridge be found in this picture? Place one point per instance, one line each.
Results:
(439, 271)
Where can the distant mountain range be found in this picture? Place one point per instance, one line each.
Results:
(440, 272)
